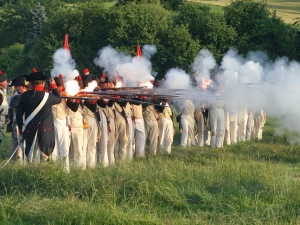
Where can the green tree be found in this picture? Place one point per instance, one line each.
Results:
(259, 29)
(177, 50)
(38, 18)
(16, 19)
(125, 2)
(210, 29)
(15, 24)
(171, 4)
(10, 58)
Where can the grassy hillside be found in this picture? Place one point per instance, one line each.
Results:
(254, 182)
(288, 10)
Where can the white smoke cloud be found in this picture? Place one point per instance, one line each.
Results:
(149, 51)
(250, 72)
(64, 64)
(177, 79)
(254, 82)
(203, 63)
(132, 70)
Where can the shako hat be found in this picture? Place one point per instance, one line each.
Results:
(59, 80)
(86, 71)
(3, 76)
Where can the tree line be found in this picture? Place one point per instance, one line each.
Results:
(31, 31)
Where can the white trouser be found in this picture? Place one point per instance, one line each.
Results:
(129, 148)
(111, 142)
(258, 125)
(62, 143)
(249, 126)
(200, 135)
(151, 133)
(166, 133)
(90, 140)
(140, 138)
(76, 147)
(242, 123)
(102, 143)
(121, 137)
(233, 128)
(217, 127)
(187, 136)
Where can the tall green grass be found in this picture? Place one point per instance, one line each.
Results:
(254, 182)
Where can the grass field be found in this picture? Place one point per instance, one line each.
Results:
(255, 182)
(288, 10)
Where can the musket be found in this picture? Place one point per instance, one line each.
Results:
(123, 93)
(92, 97)
(124, 88)
(81, 97)
(2, 134)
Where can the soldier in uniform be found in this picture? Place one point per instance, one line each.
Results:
(93, 134)
(188, 123)
(121, 130)
(199, 127)
(150, 116)
(21, 86)
(249, 125)
(4, 103)
(36, 106)
(87, 77)
(78, 132)
(103, 120)
(259, 120)
(139, 129)
(130, 135)
(231, 115)
(217, 121)
(107, 109)
(242, 122)
(62, 126)
(165, 126)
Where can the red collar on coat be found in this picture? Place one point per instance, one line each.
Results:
(38, 87)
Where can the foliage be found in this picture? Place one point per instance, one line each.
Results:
(208, 28)
(38, 18)
(177, 41)
(91, 25)
(125, 2)
(9, 58)
(15, 24)
(171, 4)
(257, 28)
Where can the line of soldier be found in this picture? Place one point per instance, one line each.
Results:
(219, 122)
(87, 132)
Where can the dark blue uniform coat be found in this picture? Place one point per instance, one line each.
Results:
(42, 123)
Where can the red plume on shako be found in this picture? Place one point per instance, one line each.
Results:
(86, 71)
(3, 76)
(102, 78)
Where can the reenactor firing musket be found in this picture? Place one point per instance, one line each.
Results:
(123, 88)
(115, 97)
(127, 93)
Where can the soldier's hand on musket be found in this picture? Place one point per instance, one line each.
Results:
(52, 81)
